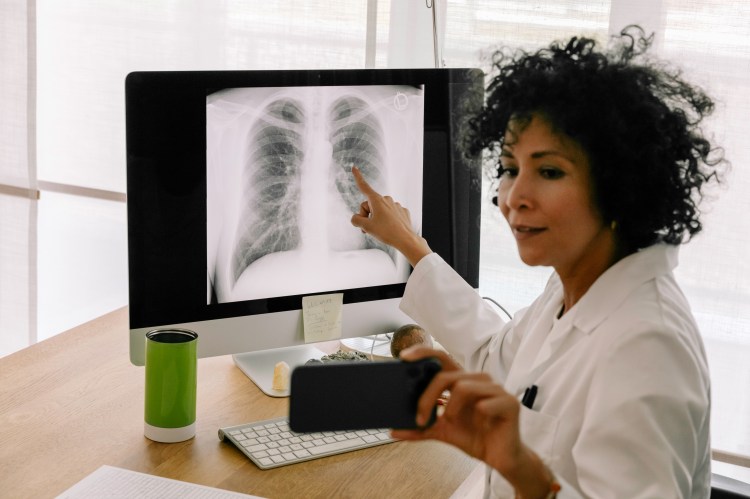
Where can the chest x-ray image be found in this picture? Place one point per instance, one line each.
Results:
(280, 193)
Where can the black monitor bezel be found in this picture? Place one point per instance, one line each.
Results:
(166, 144)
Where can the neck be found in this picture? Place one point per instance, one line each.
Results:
(577, 279)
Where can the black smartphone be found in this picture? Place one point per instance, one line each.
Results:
(358, 395)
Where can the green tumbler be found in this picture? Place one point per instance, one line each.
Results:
(171, 384)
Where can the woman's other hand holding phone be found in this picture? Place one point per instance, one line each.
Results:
(480, 418)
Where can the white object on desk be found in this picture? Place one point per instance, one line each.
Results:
(259, 366)
(109, 481)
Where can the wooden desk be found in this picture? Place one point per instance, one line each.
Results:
(75, 402)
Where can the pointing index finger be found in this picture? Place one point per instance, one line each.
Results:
(362, 183)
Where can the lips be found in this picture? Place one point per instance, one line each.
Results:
(522, 232)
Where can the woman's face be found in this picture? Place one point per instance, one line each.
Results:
(546, 195)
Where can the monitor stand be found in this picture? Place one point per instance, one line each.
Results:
(259, 366)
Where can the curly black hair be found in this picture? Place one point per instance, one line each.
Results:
(637, 119)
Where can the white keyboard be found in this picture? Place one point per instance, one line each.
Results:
(270, 443)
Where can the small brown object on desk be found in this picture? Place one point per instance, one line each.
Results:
(74, 402)
(407, 336)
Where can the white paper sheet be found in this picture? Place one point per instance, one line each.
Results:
(119, 483)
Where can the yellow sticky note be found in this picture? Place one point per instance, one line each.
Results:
(321, 316)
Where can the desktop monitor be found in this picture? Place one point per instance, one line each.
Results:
(240, 195)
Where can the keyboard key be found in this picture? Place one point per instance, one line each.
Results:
(344, 444)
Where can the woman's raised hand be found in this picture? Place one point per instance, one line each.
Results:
(388, 221)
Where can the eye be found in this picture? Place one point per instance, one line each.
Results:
(551, 172)
(507, 170)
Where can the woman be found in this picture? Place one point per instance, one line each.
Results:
(601, 165)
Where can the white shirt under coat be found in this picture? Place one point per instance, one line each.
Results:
(623, 402)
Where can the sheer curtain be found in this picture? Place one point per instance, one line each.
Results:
(711, 40)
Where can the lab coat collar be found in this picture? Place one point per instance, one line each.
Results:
(548, 339)
(618, 281)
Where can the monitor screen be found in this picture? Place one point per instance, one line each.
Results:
(280, 191)
(240, 196)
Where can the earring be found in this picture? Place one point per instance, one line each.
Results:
(613, 225)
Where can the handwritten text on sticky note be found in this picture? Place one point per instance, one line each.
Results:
(321, 315)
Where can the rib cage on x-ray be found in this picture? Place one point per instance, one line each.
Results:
(272, 180)
(357, 139)
(272, 176)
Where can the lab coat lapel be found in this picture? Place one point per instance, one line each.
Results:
(546, 348)
(539, 327)
(561, 338)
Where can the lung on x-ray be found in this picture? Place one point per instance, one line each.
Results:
(280, 193)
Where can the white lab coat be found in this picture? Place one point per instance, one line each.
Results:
(623, 402)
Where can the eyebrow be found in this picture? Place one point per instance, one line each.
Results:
(538, 154)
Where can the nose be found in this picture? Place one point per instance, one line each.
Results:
(515, 193)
